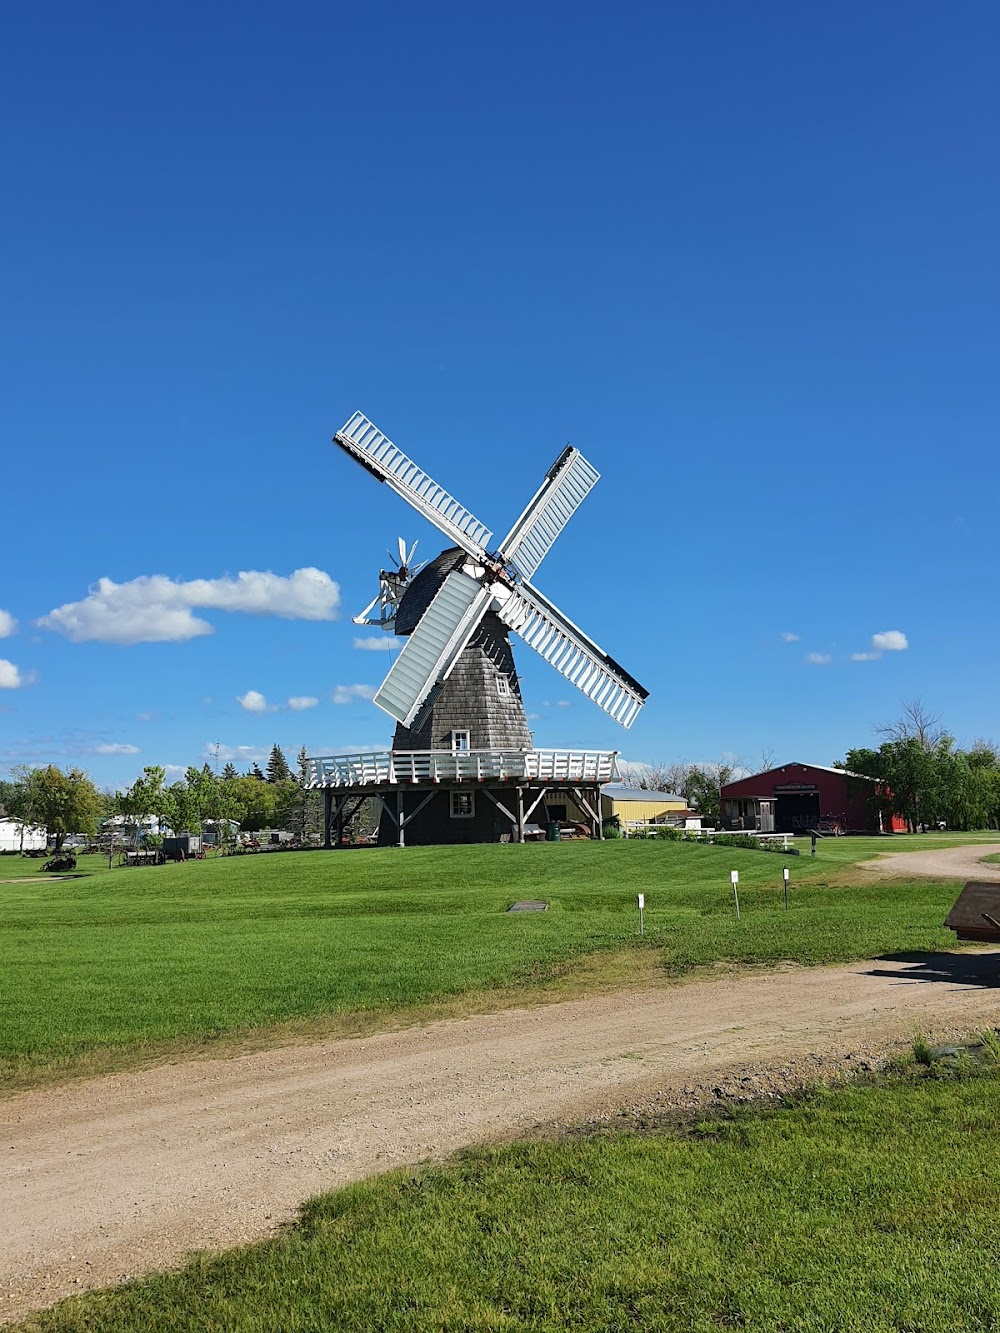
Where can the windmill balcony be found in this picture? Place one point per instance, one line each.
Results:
(399, 768)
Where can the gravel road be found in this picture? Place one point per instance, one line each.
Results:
(945, 863)
(113, 1177)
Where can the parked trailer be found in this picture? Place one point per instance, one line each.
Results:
(183, 847)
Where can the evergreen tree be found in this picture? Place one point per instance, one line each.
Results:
(307, 814)
(229, 772)
(277, 765)
(256, 773)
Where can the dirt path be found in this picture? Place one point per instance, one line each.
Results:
(106, 1179)
(944, 863)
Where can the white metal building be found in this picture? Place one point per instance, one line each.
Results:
(34, 839)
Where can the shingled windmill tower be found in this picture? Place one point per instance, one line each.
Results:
(462, 757)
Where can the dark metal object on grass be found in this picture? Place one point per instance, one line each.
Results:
(60, 862)
(976, 913)
(529, 905)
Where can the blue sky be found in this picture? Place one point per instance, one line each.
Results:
(743, 256)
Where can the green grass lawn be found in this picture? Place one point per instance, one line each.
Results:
(119, 965)
(867, 1208)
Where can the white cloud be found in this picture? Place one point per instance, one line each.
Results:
(12, 678)
(300, 701)
(108, 748)
(254, 702)
(147, 717)
(345, 694)
(890, 641)
(379, 643)
(818, 659)
(156, 609)
(563, 703)
(865, 657)
(786, 637)
(8, 625)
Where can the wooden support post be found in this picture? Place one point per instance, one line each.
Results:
(520, 814)
(406, 820)
(399, 817)
(593, 810)
(340, 822)
(327, 812)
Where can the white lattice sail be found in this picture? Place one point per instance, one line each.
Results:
(432, 649)
(574, 655)
(367, 445)
(567, 484)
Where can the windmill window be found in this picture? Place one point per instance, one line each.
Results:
(463, 804)
(459, 741)
(503, 685)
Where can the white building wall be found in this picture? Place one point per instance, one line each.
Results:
(10, 837)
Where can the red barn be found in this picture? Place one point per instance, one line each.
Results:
(796, 798)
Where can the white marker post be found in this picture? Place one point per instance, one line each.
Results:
(734, 876)
(642, 904)
(784, 876)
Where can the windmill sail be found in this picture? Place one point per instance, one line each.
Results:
(572, 653)
(374, 451)
(434, 646)
(567, 484)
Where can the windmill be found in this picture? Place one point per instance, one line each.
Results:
(461, 729)
(477, 581)
(392, 583)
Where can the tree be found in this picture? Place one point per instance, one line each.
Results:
(255, 772)
(230, 771)
(915, 723)
(277, 765)
(145, 797)
(255, 801)
(703, 785)
(197, 798)
(19, 799)
(306, 816)
(655, 776)
(916, 780)
(64, 802)
(286, 803)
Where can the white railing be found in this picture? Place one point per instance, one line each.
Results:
(401, 767)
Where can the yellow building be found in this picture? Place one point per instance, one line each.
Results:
(633, 805)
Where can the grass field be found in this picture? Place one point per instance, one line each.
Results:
(867, 1208)
(121, 966)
